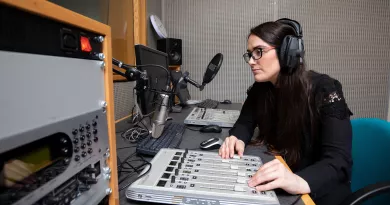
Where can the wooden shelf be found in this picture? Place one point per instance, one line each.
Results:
(52, 11)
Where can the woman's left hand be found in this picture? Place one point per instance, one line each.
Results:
(274, 175)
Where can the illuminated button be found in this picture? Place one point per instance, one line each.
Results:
(85, 45)
(64, 150)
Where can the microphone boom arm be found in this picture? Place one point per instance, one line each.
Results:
(192, 82)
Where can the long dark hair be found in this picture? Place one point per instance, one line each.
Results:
(283, 107)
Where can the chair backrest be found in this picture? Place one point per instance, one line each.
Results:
(370, 152)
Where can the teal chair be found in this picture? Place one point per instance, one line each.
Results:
(370, 182)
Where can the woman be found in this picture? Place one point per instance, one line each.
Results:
(301, 115)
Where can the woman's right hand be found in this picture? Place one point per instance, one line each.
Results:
(230, 145)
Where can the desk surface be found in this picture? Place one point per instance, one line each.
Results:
(191, 140)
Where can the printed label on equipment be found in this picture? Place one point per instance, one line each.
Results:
(196, 201)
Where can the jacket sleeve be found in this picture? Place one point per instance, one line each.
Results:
(244, 127)
(335, 137)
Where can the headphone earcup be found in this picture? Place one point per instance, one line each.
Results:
(290, 54)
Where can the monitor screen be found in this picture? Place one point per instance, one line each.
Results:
(157, 76)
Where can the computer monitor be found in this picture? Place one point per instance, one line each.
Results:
(157, 76)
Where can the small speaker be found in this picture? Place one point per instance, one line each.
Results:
(172, 47)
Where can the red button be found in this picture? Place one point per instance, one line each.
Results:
(85, 45)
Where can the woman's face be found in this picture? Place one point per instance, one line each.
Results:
(266, 68)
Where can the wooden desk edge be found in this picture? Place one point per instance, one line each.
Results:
(305, 198)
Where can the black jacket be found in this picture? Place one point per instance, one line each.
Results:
(325, 163)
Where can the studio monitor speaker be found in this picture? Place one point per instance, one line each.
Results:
(173, 48)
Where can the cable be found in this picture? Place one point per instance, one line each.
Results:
(192, 129)
(135, 134)
(126, 147)
(120, 64)
(147, 171)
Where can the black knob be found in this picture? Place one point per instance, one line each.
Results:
(76, 140)
(94, 131)
(66, 161)
(63, 141)
(94, 123)
(75, 131)
(88, 126)
(89, 142)
(65, 150)
(84, 154)
(81, 128)
(88, 134)
(95, 139)
(76, 149)
(83, 146)
(77, 158)
(90, 150)
(82, 137)
(173, 179)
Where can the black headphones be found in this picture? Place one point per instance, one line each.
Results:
(292, 49)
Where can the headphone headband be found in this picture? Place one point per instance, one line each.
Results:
(294, 24)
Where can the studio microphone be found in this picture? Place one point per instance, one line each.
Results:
(160, 116)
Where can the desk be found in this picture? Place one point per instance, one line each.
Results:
(191, 140)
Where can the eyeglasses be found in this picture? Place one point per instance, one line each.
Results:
(256, 54)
